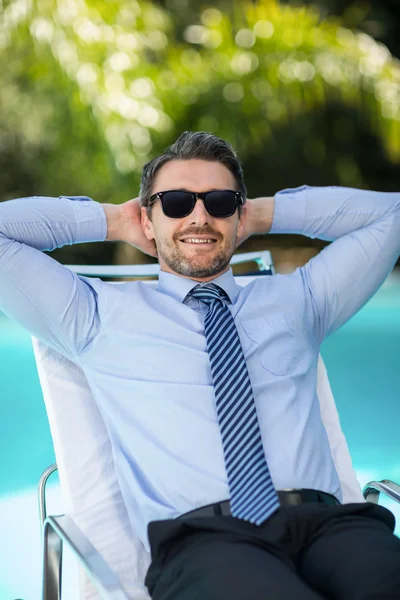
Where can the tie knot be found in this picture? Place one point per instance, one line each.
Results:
(208, 292)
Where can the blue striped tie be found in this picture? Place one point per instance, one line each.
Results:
(253, 497)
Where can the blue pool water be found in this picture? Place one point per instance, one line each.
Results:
(363, 364)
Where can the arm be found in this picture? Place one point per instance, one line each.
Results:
(365, 229)
(45, 297)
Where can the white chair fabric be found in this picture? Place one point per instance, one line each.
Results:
(87, 478)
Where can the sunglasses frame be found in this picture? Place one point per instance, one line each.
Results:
(196, 196)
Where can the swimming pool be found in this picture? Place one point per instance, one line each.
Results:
(363, 363)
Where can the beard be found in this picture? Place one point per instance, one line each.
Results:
(196, 266)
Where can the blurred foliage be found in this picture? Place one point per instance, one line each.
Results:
(92, 89)
(377, 18)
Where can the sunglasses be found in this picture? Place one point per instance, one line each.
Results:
(177, 204)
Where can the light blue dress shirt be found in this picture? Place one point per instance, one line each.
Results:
(143, 350)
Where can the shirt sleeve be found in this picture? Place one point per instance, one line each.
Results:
(365, 229)
(46, 298)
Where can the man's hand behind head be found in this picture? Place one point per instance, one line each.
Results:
(258, 215)
(131, 230)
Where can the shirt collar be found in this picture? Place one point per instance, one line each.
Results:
(178, 287)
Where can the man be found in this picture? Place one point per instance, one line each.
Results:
(208, 390)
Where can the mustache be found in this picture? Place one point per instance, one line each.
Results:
(213, 234)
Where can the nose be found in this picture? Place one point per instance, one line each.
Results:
(199, 216)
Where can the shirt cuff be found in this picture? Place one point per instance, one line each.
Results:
(90, 219)
(290, 210)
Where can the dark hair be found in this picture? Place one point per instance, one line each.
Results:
(193, 144)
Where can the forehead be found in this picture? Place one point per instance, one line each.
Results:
(195, 175)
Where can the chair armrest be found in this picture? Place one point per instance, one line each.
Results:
(262, 258)
(63, 529)
(372, 490)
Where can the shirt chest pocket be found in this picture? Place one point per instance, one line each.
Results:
(278, 350)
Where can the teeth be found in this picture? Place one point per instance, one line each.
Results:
(197, 241)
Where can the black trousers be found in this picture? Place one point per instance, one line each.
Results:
(305, 552)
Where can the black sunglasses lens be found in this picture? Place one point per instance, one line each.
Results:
(177, 204)
(221, 204)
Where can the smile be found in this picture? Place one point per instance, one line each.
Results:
(198, 241)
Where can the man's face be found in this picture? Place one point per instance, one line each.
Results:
(176, 252)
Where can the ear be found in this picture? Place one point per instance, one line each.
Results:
(242, 221)
(147, 225)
